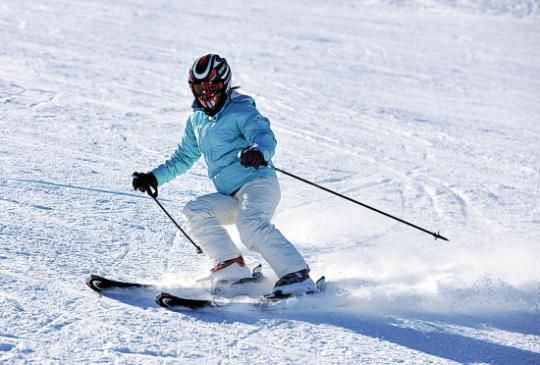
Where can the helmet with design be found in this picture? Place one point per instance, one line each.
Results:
(210, 82)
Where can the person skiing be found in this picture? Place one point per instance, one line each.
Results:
(237, 143)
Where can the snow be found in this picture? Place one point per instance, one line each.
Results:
(426, 109)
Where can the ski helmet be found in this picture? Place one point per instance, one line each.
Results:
(210, 82)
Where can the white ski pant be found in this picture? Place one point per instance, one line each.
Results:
(251, 208)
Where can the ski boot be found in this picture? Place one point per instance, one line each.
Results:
(294, 284)
(228, 273)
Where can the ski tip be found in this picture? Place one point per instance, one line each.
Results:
(321, 284)
(94, 282)
(164, 300)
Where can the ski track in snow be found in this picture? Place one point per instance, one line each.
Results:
(426, 109)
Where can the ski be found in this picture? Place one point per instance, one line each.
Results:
(99, 283)
(171, 301)
(167, 300)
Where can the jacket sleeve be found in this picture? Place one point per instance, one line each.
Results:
(256, 129)
(186, 154)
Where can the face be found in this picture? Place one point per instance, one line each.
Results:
(207, 93)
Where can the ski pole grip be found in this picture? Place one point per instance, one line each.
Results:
(153, 194)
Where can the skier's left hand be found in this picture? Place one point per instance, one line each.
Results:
(145, 182)
(252, 157)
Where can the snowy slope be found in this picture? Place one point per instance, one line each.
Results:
(427, 109)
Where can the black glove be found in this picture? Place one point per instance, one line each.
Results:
(144, 181)
(251, 156)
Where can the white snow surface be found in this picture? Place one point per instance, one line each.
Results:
(426, 109)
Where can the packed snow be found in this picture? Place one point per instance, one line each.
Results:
(426, 109)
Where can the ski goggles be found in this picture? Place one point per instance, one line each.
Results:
(206, 88)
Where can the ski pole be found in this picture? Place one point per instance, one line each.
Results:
(154, 196)
(434, 234)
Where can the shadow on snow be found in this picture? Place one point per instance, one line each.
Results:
(434, 341)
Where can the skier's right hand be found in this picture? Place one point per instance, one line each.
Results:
(145, 182)
(252, 157)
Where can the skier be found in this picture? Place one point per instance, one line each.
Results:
(237, 144)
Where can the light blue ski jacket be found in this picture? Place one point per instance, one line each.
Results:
(219, 139)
